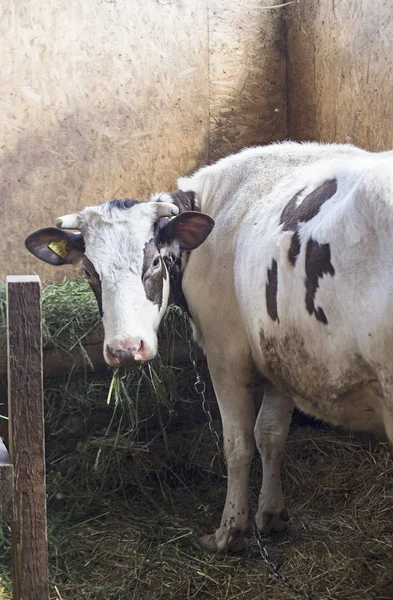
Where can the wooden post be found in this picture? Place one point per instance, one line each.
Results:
(26, 434)
(6, 485)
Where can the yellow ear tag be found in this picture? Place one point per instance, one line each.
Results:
(59, 248)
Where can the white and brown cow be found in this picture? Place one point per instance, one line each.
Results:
(296, 279)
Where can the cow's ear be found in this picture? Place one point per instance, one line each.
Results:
(56, 246)
(189, 230)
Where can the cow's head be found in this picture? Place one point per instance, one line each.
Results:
(122, 244)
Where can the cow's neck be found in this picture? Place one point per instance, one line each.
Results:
(175, 268)
(185, 201)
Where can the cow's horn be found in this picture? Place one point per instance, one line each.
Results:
(68, 222)
(166, 209)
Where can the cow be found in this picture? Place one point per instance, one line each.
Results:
(287, 268)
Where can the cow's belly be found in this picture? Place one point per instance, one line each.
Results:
(359, 409)
(339, 389)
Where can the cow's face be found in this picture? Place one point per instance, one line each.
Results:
(122, 244)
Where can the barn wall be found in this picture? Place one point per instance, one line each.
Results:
(104, 99)
(117, 98)
(340, 64)
(247, 75)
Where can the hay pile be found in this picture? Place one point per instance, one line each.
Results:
(124, 500)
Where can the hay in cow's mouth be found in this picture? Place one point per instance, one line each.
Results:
(134, 474)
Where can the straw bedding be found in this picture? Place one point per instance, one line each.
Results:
(130, 486)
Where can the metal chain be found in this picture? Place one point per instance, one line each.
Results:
(274, 569)
(200, 385)
(200, 388)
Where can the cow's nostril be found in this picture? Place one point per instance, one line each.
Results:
(125, 350)
(141, 346)
(134, 349)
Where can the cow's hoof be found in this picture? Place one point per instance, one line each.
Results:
(268, 522)
(233, 541)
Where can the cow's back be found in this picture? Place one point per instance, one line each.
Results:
(305, 283)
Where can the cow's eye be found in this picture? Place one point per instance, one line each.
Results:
(156, 262)
(87, 274)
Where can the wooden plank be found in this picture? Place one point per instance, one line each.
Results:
(57, 362)
(6, 485)
(340, 56)
(26, 433)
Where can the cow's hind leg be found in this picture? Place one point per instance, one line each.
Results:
(231, 379)
(271, 432)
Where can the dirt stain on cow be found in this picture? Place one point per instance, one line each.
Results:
(338, 400)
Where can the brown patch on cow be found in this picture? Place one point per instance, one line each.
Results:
(271, 292)
(340, 400)
(94, 281)
(309, 207)
(289, 216)
(318, 264)
(292, 214)
(152, 279)
(185, 201)
(294, 249)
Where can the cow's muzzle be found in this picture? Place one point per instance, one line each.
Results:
(127, 351)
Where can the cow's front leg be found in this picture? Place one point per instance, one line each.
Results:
(234, 396)
(271, 432)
